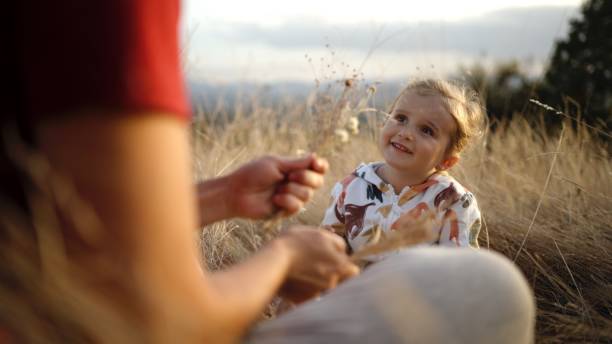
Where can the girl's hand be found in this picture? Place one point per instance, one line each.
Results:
(318, 262)
(260, 188)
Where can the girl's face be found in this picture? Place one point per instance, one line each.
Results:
(415, 138)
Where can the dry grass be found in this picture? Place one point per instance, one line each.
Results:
(546, 200)
(546, 197)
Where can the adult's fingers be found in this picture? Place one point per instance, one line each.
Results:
(301, 192)
(337, 242)
(320, 165)
(340, 271)
(342, 262)
(348, 270)
(333, 280)
(324, 250)
(288, 165)
(328, 276)
(307, 177)
(289, 202)
(310, 161)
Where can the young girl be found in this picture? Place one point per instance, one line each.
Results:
(429, 124)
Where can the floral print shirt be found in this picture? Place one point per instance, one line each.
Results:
(363, 205)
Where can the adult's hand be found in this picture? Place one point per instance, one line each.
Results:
(300, 263)
(318, 263)
(269, 184)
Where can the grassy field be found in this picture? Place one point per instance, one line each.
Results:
(546, 194)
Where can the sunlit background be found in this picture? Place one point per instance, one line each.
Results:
(268, 41)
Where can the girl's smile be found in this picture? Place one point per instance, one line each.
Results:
(401, 147)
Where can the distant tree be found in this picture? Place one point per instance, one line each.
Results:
(506, 89)
(581, 66)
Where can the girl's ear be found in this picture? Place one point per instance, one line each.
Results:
(448, 163)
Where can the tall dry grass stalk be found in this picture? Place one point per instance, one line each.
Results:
(546, 199)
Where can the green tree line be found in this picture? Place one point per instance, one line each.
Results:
(577, 80)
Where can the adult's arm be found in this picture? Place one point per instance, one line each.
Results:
(135, 170)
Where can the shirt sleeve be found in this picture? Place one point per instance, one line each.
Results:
(113, 54)
(461, 223)
(330, 219)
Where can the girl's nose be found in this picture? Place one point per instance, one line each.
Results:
(407, 132)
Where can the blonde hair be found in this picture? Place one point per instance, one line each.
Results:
(462, 102)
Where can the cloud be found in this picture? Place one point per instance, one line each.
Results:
(508, 33)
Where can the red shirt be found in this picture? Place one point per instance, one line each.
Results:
(61, 56)
(115, 54)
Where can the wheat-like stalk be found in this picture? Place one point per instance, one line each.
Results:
(409, 234)
(329, 117)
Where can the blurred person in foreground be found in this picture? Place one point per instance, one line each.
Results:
(98, 92)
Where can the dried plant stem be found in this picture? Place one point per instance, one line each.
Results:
(486, 230)
(410, 235)
(321, 146)
(274, 223)
(535, 214)
(584, 307)
(326, 133)
(560, 113)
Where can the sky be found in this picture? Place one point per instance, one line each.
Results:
(270, 40)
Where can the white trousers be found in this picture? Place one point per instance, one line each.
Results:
(422, 295)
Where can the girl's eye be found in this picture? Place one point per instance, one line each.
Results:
(427, 131)
(400, 118)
